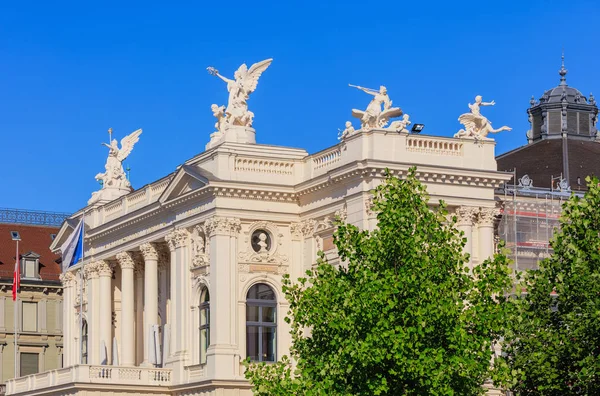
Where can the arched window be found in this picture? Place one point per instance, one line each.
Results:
(204, 324)
(84, 342)
(261, 323)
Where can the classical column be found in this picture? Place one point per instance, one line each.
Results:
(127, 264)
(93, 312)
(68, 282)
(139, 310)
(150, 253)
(180, 290)
(223, 350)
(465, 216)
(486, 233)
(105, 304)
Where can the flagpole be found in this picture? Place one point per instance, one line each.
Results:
(81, 290)
(17, 307)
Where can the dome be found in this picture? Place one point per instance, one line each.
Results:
(563, 91)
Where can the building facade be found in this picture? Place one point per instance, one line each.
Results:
(39, 314)
(181, 279)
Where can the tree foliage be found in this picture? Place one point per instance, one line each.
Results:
(402, 316)
(553, 347)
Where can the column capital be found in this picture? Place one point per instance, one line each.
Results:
(222, 226)
(149, 251)
(487, 216)
(177, 238)
(104, 268)
(465, 215)
(91, 270)
(67, 279)
(302, 229)
(126, 260)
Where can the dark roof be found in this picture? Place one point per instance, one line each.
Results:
(549, 158)
(35, 239)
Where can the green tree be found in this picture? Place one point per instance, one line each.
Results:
(554, 344)
(401, 316)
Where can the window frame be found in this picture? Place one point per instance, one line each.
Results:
(84, 342)
(204, 308)
(260, 324)
(23, 305)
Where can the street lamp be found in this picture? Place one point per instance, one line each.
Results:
(417, 128)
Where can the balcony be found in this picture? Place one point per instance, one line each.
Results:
(135, 379)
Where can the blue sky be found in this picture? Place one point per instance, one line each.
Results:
(71, 70)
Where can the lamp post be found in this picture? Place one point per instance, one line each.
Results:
(14, 235)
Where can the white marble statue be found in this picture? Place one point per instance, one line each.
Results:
(219, 114)
(346, 132)
(400, 126)
(244, 83)
(476, 125)
(262, 242)
(378, 112)
(114, 180)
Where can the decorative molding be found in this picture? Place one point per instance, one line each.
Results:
(200, 247)
(487, 216)
(302, 229)
(126, 260)
(177, 239)
(104, 268)
(67, 279)
(272, 256)
(466, 215)
(149, 251)
(222, 226)
(369, 204)
(91, 270)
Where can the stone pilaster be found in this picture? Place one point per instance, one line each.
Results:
(138, 272)
(93, 311)
(223, 350)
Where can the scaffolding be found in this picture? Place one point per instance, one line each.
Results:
(529, 219)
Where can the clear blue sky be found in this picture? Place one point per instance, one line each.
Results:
(71, 70)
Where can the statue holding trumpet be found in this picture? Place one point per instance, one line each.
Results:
(378, 112)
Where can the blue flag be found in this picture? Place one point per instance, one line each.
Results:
(72, 249)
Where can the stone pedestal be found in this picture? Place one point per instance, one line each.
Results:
(108, 194)
(233, 133)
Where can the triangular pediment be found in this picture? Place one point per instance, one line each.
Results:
(66, 229)
(187, 179)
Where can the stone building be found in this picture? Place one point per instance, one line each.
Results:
(562, 150)
(181, 279)
(39, 314)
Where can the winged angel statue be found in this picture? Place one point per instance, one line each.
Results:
(378, 112)
(476, 125)
(244, 83)
(114, 175)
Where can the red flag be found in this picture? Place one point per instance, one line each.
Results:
(16, 279)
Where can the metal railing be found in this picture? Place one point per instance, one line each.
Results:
(32, 217)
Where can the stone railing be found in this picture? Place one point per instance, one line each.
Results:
(84, 374)
(195, 373)
(436, 146)
(327, 158)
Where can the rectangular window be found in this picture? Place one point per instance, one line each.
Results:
(29, 269)
(29, 364)
(30, 318)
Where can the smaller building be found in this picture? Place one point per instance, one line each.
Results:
(39, 314)
(562, 149)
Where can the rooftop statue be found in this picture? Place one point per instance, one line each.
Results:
(114, 180)
(378, 112)
(476, 125)
(244, 83)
